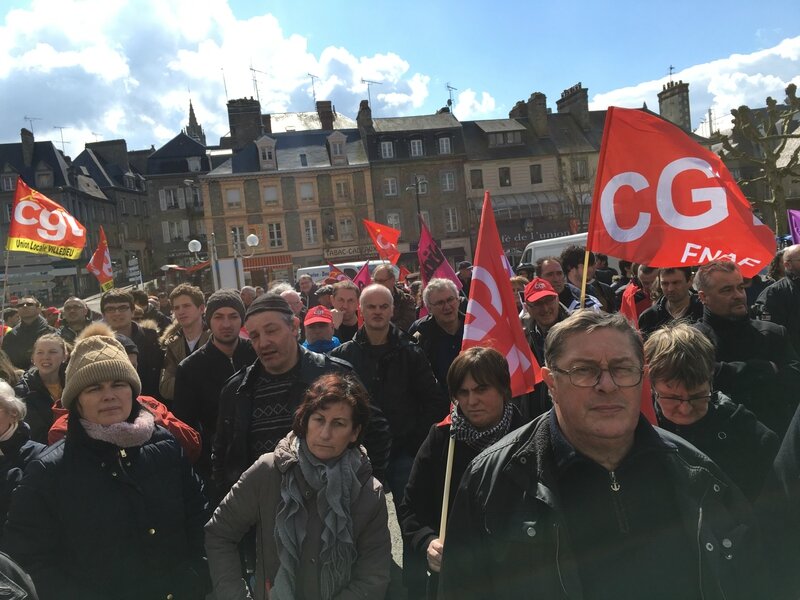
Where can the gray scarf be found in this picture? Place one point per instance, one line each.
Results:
(336, 484)
(462, 430)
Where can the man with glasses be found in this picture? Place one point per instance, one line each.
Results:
(439, 334)
(18, 343)
(590, 501)
(755, 361)
(680, 360)
(780, 302)
(117, 308)
(405, 309)
(76, 318)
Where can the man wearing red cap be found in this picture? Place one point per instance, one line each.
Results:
(319, 330)
(544, 310)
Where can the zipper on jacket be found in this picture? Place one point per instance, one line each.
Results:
(619, 509)
(558, 558)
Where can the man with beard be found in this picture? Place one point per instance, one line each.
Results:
(201, 375)
(756, 364)
(76, 318)
(676, 303)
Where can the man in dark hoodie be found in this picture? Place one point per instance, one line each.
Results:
(18, 343)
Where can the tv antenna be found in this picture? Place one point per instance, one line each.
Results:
(224, 83)
(61, 130)
(671, 71)
(369, 83)
(255, 82)
(96, 135)
(450, 90)
(313, 89)
(30, 121)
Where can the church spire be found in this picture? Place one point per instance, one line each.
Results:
(194, 130)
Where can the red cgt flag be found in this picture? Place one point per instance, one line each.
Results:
(41, 226)
(384, 238)
(100, 264)
(336, 273)
(663, 200)
(492, 315)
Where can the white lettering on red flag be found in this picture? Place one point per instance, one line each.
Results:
(663, 200)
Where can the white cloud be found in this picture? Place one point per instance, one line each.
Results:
(468, 106)
(720, 84)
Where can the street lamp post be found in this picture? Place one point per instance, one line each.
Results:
(415, 187)
(251, 240)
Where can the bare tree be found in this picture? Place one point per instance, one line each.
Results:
(577, 182)
(761, 140)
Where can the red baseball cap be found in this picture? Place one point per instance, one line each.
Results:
(318, 314)
(51, 310)
(537, 289)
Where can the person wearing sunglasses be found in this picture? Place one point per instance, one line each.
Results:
(681, 364)
(18, 343)
(591, 501)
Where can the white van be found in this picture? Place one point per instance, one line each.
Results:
(351, 269)
(553, 247)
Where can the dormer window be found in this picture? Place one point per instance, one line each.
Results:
(338, 149)
(387, 150)
(193, 163)
(266, 153)
(303, 160)
(444, 146)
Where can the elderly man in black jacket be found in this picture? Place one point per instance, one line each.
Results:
(399, 379)
(257, 404)
(18, 343)
(590, 501)
(780, 302)
(756, 364)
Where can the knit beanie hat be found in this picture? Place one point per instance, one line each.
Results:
(95, 359)
(224, 299)
(269, 301)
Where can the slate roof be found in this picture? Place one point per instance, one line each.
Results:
(306, 121)
(415, 123)
(43, 152)
(476, 142)
(289, 146)
(171, 157)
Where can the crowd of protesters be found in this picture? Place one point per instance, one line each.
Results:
(243, 444)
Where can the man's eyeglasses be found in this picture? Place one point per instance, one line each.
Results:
(442, 303)
(694, 401)
(589, 375)
(121, 308)
(27, 304)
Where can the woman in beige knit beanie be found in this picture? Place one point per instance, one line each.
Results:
(114, 510)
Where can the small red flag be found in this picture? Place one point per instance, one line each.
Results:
(492, 315)
(663, 200)
(100, 264)
(385, 239)
(432, 262)
(336, 273)
(403, 274)
(42, 226)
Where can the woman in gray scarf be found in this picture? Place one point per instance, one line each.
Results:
(480, 389)
(320, 516)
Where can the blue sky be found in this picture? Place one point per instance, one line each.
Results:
(108, 68)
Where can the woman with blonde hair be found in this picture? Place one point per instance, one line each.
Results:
(8, 372)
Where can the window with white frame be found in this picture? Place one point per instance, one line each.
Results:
(233, 198)
(44, 179)
(393, 219)
(416, 148)
(171, 198)
(337, 148)
(193, 162)
(266, 154)
(270, 194)
(123, 208)
(422, 184)
(450, 219)
(275, 235)
(343, 190)
(444, 145)
(387, 149)
(306, 192)
(580, 169)
(390, 186)
(237, 236)
(346, 229)
(9, 182)
(196, 198)
(448, 181)
(310, 234)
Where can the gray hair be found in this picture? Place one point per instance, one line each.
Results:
(9, 402)
(436, 285)
(587, 321)
(78, 300)
(702, 279)
(280, 286)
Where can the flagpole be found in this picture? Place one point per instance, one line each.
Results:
(583, 280)
(5, 288)
(448, 475)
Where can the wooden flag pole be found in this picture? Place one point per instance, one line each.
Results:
(5, 288)
(585, 273)
(448, 475)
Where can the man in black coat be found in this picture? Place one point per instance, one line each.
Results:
(258, 403)
(201, 376)
(18, 343)
(756, 364)
(677, 302)
(780, 302)
(399, 379)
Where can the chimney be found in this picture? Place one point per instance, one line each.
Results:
(575, 101)
(673, 104)
(536, 110)
(519, 111)
(244, 120)
(325, 112)
(266, 123)
(364, 118)
(27, 146)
